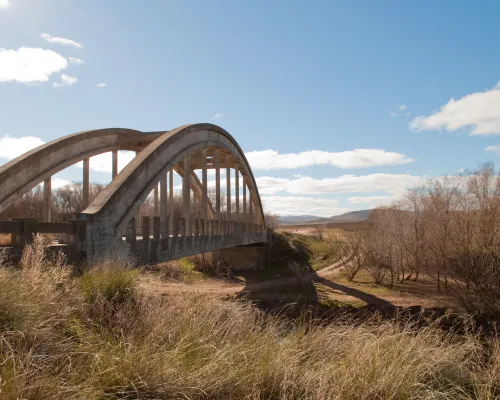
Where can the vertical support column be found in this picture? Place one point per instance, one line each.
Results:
(163, 212)
(146, 232)
(47, 199)
(186, 193)
(204, 188)
(114, 166)
(86, 183)
(156, 210)
(250, 206)
(237, 184)
(228, 187)
(171, 194)
(156, 239)
(217, 184)
(244, 200)
(131, 236)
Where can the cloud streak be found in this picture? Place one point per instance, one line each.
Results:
(394, 184)
(290, 205)
(358, 158)
(216, 116)
(59, 40)
(479, 111)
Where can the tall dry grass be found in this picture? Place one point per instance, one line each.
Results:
(99, 337)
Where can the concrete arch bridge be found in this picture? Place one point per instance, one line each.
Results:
(204, 225)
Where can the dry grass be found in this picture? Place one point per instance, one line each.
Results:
(64, 338)
(5, 240)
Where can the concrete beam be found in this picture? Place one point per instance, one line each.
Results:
(114, 164)
(86, 183)
(47, 199)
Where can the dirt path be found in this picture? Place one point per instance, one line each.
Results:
(223, 288)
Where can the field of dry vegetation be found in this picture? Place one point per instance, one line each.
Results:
(100, 336)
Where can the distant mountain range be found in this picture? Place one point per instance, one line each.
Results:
(353, 216)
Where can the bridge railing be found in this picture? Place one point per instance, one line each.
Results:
(68, 237)
(157, 240)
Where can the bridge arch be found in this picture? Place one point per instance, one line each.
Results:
(113, 208)
(184, 150)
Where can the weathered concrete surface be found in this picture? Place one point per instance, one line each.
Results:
(244, 257)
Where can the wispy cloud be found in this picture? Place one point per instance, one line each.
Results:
(389, 183)
(66, 80)
(479, 110)
(29, 65)
(101, 85)
(289, 205)
(494, 148)
(216, 116)
(372, 200)
(4, 4)
(401, 109)
(74, 60)
(357, 158)
(11, 147)
(60, 40)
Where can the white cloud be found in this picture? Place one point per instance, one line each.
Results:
(11, 148)
(103, 162)
(4, 4)
(102, 84)
(403, 107)
(216, 116)
(271, 159)
(393, 114)
(74, 60)
(494, 148)
(66, 80)
(389, 183)
(479, 110)
(372, 200)
(29, 65)
(289, 205)
(58, 183)
(60, 40)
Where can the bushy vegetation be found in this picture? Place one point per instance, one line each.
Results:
(449, 230)
(100, 337)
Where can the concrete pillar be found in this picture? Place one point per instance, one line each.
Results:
(250, 207)
(146, 232)
(86, 183)
(228, 187)
(47, 199)
(186, 193)
(163, 207)
(156, 211)
(171, 194)
(217, 184)
(237, 183)
(244, 200)
(131, 236)
(204, 184)
(114, 166)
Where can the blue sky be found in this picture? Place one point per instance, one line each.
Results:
(283, 76)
